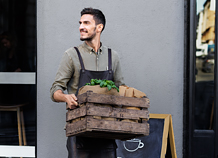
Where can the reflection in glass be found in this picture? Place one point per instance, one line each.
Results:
(204, 71)
(11, 58)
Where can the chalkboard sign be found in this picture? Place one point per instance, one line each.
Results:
(154, 145)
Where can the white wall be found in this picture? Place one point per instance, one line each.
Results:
(148, 36)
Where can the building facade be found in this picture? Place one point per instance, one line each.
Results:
(157, 46)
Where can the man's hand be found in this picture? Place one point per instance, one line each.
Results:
(70, 99)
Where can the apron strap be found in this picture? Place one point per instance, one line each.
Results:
(80, 58)
(109, 60)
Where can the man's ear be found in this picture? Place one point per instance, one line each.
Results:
(100, 27)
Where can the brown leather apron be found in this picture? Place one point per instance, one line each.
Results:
(84, 147)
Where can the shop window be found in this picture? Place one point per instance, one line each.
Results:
(17, 76)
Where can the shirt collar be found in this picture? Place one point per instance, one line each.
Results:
(90, 49)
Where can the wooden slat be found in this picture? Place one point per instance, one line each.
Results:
(117, 126)
(114, 100)
(82, 98)
(116, 112)
(76, 113)
(112, 112)
(76, 127)
(90, 127)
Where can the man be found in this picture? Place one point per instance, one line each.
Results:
(78, 66)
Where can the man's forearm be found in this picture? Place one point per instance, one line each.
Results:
(59, 96)
(70, 99)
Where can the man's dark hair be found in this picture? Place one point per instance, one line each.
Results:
(97, 15)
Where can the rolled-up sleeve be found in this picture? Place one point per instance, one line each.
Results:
(64, 74)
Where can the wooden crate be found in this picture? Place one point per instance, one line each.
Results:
(108, 116)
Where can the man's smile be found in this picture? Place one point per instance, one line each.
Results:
(83, 31)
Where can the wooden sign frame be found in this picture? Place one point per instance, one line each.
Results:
(167, 131)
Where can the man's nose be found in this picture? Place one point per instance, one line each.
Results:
(81, 26)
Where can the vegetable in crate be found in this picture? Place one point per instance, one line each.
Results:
(103, 83)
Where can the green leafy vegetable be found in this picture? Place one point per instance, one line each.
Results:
(109, 87)
(103, 83)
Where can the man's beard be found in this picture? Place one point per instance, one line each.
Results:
(86, 39)
(90, 37)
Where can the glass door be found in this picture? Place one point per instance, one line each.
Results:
(202, 80)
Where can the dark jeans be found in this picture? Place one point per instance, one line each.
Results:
(75, 152)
